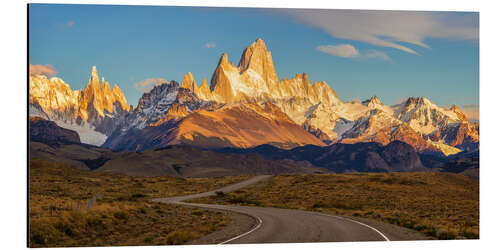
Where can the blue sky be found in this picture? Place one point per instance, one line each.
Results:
(358, 53)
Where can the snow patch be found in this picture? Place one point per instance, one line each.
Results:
(342, 126)
(86, 132)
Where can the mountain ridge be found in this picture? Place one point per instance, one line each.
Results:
(93, 111)
(314, 107)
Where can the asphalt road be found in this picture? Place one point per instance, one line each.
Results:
(275, 225)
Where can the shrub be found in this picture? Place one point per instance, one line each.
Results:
(180, 237)
(137, 196)
(197, 213)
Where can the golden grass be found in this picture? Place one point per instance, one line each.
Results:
(71, 207)
(442, 205)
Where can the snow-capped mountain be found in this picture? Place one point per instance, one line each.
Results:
(240, 105)
(169, 114)
(93, 112)
(255, 79)
(317, 108)
(418, 122)
(167, 99)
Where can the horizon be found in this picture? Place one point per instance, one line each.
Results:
(436, 57)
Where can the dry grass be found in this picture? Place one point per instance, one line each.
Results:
(442, 205)
(71, 207)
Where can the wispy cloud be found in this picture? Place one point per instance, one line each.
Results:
(471, 111)
(148, 84)
(392, 29)
(401, 100)
(341, 50)
(210, 45)
(38, 69)
(70, 23)
(349, 51)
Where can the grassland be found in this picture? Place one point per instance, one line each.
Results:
(71, 207)
(442, 205)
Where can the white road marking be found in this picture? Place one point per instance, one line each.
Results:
(361, 223)
(241, 235)
(259, 224)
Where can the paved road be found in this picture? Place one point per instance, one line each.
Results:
(274, 225)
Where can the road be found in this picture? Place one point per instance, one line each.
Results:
(275, 225)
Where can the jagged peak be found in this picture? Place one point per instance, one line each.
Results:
(458, 112)
(319, 84)
(104, 84)
(259, 43)
(170, 84)
(304, 77)
(94, 74)
(116, 90)
(188, 82)
(224, 60)
(417, 101)
(204, 84)
(257, 58)
(372, 101)
(189, 76)
(257, 47)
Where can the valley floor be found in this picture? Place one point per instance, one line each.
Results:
(71, 207)
(441, 205)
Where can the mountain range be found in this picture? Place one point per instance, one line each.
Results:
(243, 107)
(93, 112)
(50, 142)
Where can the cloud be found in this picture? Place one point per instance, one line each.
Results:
(210, 45)
(391, 29)
(148, 84)
(401, 100)
(70, 24)
(341, 50)
(377, 54)
(349, 51)
(47, 70)
(471, 111)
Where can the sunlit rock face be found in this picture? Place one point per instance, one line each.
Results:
(97, 109)
(255, 79)
(239, 104)
(316, 107)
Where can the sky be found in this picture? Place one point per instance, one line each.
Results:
(359, 53)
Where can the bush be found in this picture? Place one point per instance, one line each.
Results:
(137, 196)
(148, 239)
(42, 233)
(197, 213)
(180, 237)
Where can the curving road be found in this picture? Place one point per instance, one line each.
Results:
(275, 225)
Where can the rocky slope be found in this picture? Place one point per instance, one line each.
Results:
(42, 130)
(175, 160)
(94, 112)
(316, 107)
(245, 105)
(340, 158)
(173, 115)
